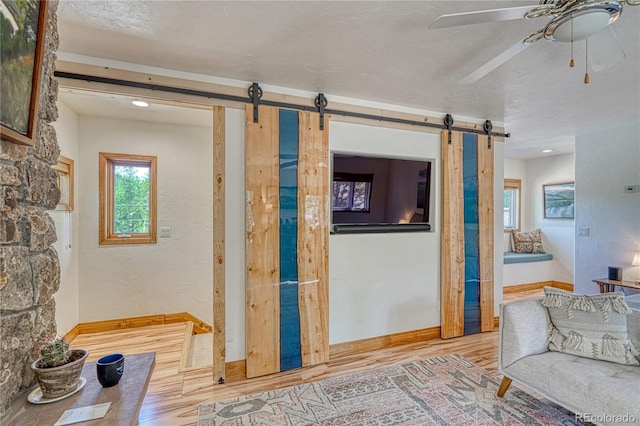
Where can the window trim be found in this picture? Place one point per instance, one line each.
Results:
(64, 167)
(107, 163)
(517, 185)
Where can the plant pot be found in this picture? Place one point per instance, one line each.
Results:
(59, 381)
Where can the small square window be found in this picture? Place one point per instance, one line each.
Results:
(127, 199)
(511, 212)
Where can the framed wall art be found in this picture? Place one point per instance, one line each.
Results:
(23, 28)
(559, 200)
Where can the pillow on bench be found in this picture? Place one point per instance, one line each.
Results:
(590, 326)
(527, 242)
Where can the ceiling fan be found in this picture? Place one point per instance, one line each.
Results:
(569, 21)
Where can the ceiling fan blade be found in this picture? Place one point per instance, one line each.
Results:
(495, 63)
(604, 50)
(479, 17)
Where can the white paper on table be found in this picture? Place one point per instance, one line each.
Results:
(82, 414)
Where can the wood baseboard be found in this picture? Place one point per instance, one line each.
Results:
(381, 342)
(235, 370)
(72, 334)
(536, 286)
(199, 326)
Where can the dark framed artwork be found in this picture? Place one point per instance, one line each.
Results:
(23, 28)
(559, 199)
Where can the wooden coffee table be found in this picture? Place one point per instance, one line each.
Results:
(607, 286)
(126, 397)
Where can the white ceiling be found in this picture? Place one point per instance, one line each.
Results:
(376, 51)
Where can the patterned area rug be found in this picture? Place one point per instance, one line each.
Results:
(446, 390)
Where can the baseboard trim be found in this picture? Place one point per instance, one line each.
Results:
(536, 286)
(236, 370)
(72, 334)
(199, 326)
(382, 342)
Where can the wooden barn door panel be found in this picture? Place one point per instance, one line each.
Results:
(313, 239)
(452, 239)
(467, 235)
(263, 243)
(287, 241)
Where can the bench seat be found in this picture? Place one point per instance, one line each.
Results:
(510, 257)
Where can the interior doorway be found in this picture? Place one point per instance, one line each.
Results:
(173, 276)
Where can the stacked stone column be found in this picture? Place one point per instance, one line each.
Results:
(29, 267)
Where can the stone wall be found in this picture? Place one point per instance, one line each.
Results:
(29, 268)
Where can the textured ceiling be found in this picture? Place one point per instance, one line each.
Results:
(376, 51)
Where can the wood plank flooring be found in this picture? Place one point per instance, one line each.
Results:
(173, 397)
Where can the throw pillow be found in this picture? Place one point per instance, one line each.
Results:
(527, 242)
(590, 326)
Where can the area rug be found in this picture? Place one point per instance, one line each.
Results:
(448, 390)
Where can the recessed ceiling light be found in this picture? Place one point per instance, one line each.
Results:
(547, 150)
(141, 104)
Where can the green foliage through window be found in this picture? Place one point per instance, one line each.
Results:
(131, 199)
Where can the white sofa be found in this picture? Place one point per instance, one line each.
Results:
(596, 391)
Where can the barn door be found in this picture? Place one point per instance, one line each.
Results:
(466, 270)
(287, 213)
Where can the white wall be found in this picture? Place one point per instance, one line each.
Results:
(67, 229)
(174, 275)
(558, 235)
(235, 244)
(606, 162)
(384, 283)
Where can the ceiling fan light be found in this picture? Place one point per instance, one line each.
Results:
(587, 20)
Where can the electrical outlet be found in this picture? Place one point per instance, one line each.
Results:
(583, 232)
(165, 232)
(631, 189)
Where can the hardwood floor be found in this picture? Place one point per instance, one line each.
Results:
(173, 397)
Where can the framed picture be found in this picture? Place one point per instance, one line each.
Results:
(559, 200)
(23, 28)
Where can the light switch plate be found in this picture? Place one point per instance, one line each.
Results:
(165, 232)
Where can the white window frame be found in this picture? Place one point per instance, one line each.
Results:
(516, 204)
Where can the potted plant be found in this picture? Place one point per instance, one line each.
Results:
(58, 368)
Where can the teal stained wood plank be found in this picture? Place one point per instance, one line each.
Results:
(290, 352)
(471, 234)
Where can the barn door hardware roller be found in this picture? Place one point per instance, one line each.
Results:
(487, 126)
(448, 121)
(321, 104)
(255, 93)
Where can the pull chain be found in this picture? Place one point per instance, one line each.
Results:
(572, 63)
(586, 61)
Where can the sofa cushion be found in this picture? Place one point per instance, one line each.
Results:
(527, 242)
(582, 385)
(590, 326)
